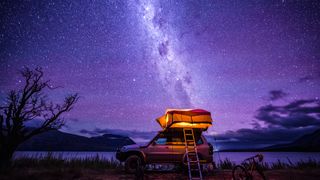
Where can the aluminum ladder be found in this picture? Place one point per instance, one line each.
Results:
(192, 154)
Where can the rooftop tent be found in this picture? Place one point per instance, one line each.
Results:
(183, 118)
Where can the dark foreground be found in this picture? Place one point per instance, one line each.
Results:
(87, 174)
(96, 168)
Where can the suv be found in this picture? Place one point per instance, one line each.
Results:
(168, 146)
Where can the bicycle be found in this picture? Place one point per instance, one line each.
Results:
(247, 169)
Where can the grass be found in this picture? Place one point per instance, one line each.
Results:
(226, 164)
(49, 161)
(52, 167)
(97, 162)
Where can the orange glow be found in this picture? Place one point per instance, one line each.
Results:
(193, 125)
(180, 118)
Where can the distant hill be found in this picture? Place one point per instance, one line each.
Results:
(55, 140)
(307, 143)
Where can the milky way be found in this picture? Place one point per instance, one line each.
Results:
(172, 71)
(130, 60)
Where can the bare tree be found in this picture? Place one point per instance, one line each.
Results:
(27, 104)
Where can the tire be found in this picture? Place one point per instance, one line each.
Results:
(240, 173)
(260, 172)
(132, 163)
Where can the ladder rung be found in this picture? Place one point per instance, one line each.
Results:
(191, 150)
(190, 142)
(194, 169)
(192, 156)
(193, 161)
(188, 133)
(191, 147)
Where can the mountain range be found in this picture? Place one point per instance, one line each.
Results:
(307, 143)
(55, 140)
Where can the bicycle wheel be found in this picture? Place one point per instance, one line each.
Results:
(240, 173)
(260, 174)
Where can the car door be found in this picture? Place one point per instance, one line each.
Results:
(178, 147)
(159, 150)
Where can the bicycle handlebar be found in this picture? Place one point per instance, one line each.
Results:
(258, 156)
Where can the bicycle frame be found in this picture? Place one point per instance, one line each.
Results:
(248, 166)
(252, 163)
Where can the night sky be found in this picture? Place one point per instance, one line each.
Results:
(131, 60)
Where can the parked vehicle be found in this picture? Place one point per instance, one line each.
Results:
(168, 146)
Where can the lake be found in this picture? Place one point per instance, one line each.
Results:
(236, 157)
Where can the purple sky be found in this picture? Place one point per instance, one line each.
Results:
(130, 60)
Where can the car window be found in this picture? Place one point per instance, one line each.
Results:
(199, 141)
(175, 137)
(161, 141)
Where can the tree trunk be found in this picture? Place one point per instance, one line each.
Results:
(6, 153)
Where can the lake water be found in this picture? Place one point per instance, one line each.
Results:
(236, 157)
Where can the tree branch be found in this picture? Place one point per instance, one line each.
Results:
(53, 122)
(30, 103)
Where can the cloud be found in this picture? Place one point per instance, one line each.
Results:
(257, 138)
(88, 132)
(277, 94)
(281, 124)
(300, 113)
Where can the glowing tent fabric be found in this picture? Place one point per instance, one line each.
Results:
(183, 118)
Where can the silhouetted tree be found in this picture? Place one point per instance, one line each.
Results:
(27, 104)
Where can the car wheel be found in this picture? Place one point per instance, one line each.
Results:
(132, 164)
